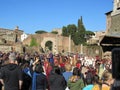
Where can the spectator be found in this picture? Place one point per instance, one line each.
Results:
(89, 85)
(56, 80)
(107, 68)
(96, 84)
(75, 82)
(79, 66)
(68, 72)
(39, 80)
(107, 81)
(11, 74)
(51, 59)
(27, 77)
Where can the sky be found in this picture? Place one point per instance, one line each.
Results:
(34, 15)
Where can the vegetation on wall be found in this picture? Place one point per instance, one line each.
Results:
(33, 42)
(54, 32)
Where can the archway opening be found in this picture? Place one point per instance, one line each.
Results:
(49, 45)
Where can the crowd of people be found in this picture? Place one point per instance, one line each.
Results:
(54, 72)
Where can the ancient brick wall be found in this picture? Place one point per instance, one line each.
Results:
(59, 41)
(5, 48)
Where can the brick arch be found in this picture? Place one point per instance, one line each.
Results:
(46, 39)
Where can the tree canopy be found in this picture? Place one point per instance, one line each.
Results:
(33, 42)
(54, 32)
(77, 33)
(40, 32)
(64, 31)
(71, 30)
(89, 33)
(81, 27)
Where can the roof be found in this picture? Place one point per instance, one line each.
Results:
(110, 40)
(108, 12)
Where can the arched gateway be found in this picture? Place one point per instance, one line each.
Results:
(49, 40)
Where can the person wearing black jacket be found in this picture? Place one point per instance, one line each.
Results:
(11, 74)
(39, 80)
(56, 80)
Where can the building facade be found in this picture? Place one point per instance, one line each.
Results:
(111, 39)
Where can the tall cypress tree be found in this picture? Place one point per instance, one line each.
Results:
(81, 27)
(81, 31)
(77, 32)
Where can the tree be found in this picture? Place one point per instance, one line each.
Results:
(81, 31)
(71, 30)
(89, 33)
(33, 42)
(76, 38)
(40, 32)
(54, 32)
(64, 31)
(81, 27)
(78, 33)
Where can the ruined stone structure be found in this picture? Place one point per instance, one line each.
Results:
(59, 42)
(10, 39)
(94, 39)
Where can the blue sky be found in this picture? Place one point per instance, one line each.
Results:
(33, 15)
